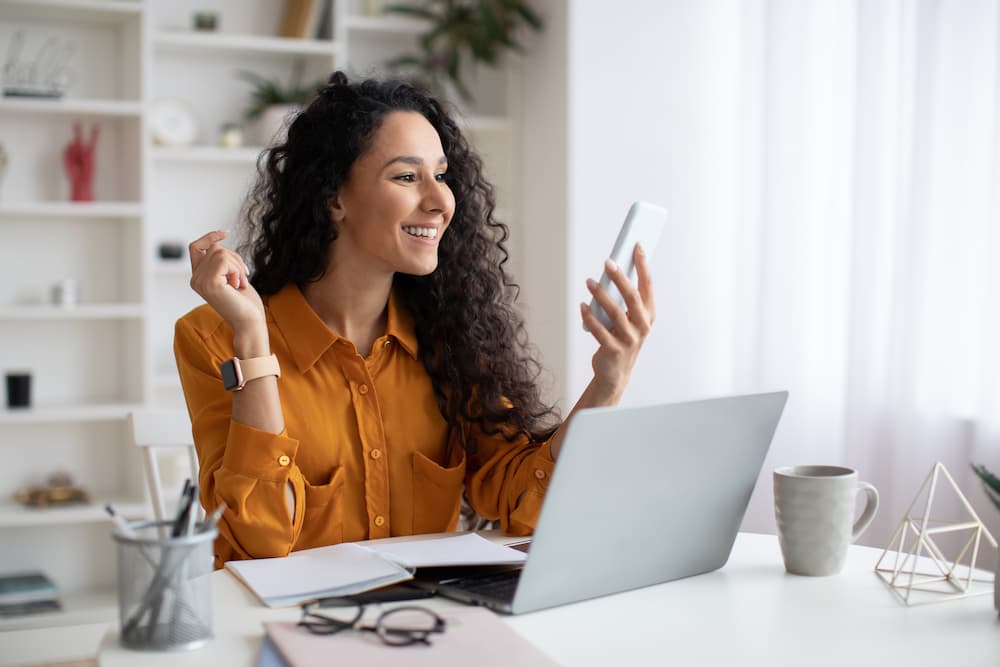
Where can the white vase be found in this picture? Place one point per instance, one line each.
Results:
(272, 125)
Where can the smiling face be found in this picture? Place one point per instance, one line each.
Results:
(394, 207)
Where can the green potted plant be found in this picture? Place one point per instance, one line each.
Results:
(461, 33)
(272, 101)
(991, 485)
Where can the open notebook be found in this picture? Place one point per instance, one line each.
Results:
(350, 568)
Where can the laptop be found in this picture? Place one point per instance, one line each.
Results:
(639, 496)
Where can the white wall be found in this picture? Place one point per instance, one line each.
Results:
(540, 236)
(643, 125)
(647, 114)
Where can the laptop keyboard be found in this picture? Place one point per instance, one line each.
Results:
(499, 586)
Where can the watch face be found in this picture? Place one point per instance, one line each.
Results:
(230, 374)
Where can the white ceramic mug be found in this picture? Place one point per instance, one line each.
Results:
(814, 509)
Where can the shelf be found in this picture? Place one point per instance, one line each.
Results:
(70, 106)
(81, 210)
(86, 311)
(480, 123)
(386, 24)
(173, 267)
(246, 155)
(214, 41)
(96, 412)
(15, 515)
(72, 11)
(78, 609)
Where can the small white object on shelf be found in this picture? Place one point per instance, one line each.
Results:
(172, 123)
(906, 562)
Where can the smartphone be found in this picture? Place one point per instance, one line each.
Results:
(643, 225)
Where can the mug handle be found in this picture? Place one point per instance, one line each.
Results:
(869, 512)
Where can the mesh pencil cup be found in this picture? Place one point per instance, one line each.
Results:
(164, 587)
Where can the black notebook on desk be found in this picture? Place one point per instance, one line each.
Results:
(639, 496)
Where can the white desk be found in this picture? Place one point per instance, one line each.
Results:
(748, 613)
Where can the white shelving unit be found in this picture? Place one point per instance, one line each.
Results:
(78, 608)
(188, 42)
(90, 311)
(244, 155)
(14, 515)
(383, 25)
(74, 414)
(95, 362)
(62, 210)
(86, 108)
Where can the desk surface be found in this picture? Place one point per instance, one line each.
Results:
(748, 613)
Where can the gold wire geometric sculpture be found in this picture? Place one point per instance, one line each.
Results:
(947, 579)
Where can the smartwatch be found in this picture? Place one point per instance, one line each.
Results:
(237, 372)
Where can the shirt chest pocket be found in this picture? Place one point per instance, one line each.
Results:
(437, 492)
(324, 512)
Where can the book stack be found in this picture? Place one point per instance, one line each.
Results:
(302, 18)
(27, 593)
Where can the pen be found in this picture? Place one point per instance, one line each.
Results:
(192, 512)
(168, 566)
(180, 521)
(119, 521)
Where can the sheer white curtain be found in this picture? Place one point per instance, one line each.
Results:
(867, 271)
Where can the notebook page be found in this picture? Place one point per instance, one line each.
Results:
(465, 549)
(341, 569)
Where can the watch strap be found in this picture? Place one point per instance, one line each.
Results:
(237, 372)
(259, 367)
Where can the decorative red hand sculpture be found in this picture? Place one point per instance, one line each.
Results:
(78, 159)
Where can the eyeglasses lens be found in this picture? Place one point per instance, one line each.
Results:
(330, 619)
(408, 625)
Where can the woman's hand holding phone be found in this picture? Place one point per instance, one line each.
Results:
(621, 313)
(620, 345)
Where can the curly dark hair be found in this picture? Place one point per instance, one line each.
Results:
(472, 340)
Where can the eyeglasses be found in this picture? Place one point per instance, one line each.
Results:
(399, 626)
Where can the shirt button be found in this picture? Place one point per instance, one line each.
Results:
(376, 453)
(539, 473)
(363, 389)
(283, 460)
(380, 521)
(387, 343)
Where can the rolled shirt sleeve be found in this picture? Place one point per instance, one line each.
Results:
(507, 481)
(246, 468)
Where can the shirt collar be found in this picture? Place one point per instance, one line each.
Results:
(399, 324)
(308, 337)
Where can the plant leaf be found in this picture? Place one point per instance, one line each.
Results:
(533, 20)
(480, 30)
(991, 483)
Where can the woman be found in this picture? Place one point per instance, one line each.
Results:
(378, 287)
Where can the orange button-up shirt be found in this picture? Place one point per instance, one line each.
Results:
(365, 447)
